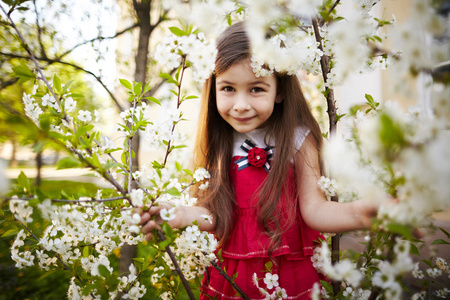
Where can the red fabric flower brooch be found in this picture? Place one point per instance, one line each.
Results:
(256, 157)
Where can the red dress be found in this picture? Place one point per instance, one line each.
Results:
(246, 252)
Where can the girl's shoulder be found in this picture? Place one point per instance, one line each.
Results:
(258, 138)
(300, 135)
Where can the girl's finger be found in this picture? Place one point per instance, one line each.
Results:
(149, 237)
(145, 217)
(148, 227)
(154, 210)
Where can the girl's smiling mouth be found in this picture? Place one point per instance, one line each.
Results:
(243, 120)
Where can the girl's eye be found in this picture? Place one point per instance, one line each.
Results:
(257, 90)
(227, 89)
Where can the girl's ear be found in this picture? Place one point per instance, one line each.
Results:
(278, 99)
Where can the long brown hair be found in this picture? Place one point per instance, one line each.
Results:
(214, 142)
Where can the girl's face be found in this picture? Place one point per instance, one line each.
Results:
(243, 100)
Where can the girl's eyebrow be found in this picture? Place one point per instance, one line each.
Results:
(223, 81)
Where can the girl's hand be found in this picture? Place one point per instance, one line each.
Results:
(148, 224)
(366, 210)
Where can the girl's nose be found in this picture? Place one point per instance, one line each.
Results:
(241, 103)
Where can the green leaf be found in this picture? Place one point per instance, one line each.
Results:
(66, 86)
(87, 289)
(233, 278)
(167, 229)
(326, 92)
(400, 229)
(126, 84)
(153, 99)
(67, 163)
(173, 191)
(164, 244)
(377, 38)
(444, 231)
(10, 232)
(327, 286)
(440, 242)
(56, 83)
(338, 117)
(24, 182)
(83, 129)
(369, 98)
(391, 133)
(147, 87)
(269, 266)
(157, 165)
(86, 251)
(137, 89)
(178, 147)
(24, 73)
(428, 262)
(103, 271)
(219, 255)
(189, 172)
(414, 250)
(177, 31)
(168, 78)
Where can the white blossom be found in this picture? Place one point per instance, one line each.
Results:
(69, 104)
(21, 210)
(32, 109)
(84, 116)
(201, 174)
(168, 215)
(137, 197)
(327, 185)
(271, 280)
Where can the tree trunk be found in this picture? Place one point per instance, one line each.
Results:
(142, 9)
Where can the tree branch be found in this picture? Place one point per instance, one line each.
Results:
(333, 6)
(52, 61)
(39, 31)
(332, 128)
(233, 284)
(24, 44)
(325, 70)
(99, 38)
(162, 237)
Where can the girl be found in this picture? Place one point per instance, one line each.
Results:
(261, 145)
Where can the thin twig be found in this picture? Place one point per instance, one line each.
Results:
(39, 31)
(333, 6)
(233, 284)
(137, 277)
(162, 237)
(71, 201)
(33, 58)
(38, 240)
(88, 245)
(183, 67)
(52, 61)
(99, 38)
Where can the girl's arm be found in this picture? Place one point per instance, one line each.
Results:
(319, 213)
(184, 216)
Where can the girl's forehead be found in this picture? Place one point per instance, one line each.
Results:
(242, 71)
